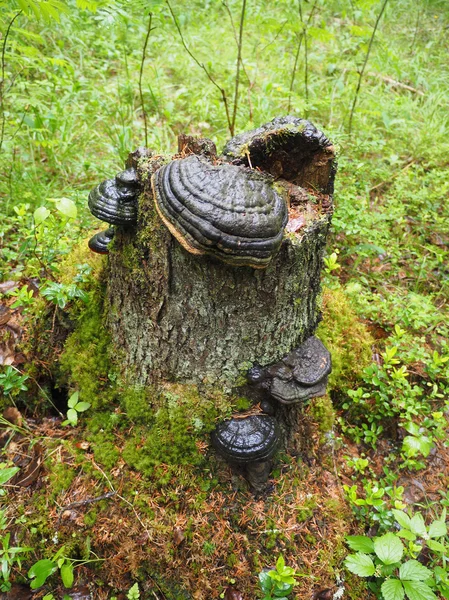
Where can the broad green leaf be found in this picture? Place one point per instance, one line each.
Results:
(40, 571)
(418, 526)
(82, 406)
(415, 445)
(67, 574)
(66, 207)
(360, 543)
(437, 546)
(392, 589)
(6, 474)
(388, 548)
(437, 529)
(72, 416)
(414, 571)
(406, 534)
(73, 400)
(40, 214)
(402, 518)
(360, 564)
(418, 590)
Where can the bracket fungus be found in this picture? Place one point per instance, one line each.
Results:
(300, 375)
(248, 441)
(99, 242)
(115, 200)
(234, 214)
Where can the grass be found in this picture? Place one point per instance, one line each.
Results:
(72, 110)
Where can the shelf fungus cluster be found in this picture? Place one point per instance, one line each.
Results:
(301, 375)
(115, 202)
(234, 214)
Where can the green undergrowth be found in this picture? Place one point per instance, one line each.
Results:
(346, 337)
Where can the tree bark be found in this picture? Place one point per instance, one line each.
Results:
(193, 319)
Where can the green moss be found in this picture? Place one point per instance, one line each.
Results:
(322, 412)
(137, 403)
(182, 419)
(60, 478)
(104, 449)
(347, 339)
(85, 362)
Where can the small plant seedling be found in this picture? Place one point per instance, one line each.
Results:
(278, 583)
(75, 407)
(133, 593)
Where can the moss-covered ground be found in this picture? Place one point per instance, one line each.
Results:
(114, 489)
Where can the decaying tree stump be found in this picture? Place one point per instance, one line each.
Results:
(192, 318)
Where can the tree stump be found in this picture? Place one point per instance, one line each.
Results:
(179, 317)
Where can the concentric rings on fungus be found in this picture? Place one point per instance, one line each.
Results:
(230, 212)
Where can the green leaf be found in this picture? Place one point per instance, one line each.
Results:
(67, 574)
(40, 571)
(40, 214)
(72, 416)
(418, 526)
(402, 518)
(392, 589)
(66, 207)
(6, 474)
(388, 548)
(418, 590)
(360, 564)
(82, 406)
(280, 563)
(360, 543)
(414, 571)
(407, 535)
(73, 400)
(437, 529)
(436, 546)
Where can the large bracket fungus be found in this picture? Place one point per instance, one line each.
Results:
(234, 214)
(263, 209)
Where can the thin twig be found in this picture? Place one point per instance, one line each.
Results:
(298, 49)
(2, 80)
(395, 83)
(306, 69)
(237, 69)
(242, 64)
(142, 63)
(379, 16)
(203, 67)
(83, 503)
(136, 514)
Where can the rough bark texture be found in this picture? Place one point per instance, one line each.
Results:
(187, 318)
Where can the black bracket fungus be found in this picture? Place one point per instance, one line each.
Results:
(287, 147)
(115, 200)
(234, 214)
(99, 243)
(299, 376)
(250, 441)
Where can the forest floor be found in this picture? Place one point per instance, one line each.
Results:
(74, 492)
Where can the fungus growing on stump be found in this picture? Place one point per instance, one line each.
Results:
(234, 214)
(221, 271)
(99, 243)
(115, 200)
(301, 375)
(250, 442)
